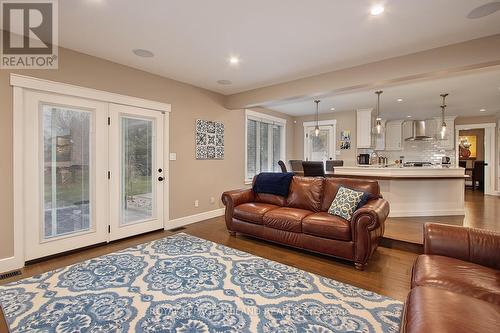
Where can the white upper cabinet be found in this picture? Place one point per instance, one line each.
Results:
(407, 129)
(364, 138)
(394, 135)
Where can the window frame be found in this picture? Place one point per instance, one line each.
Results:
(264, 118)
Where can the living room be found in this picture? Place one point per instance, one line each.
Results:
(141, 166)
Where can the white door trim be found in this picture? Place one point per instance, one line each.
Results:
(21, 83)
(34, 83)
(332, 126)
(489, 152)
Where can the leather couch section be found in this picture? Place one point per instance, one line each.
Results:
(305, 193)
(253, 211)
(458, 276)
(429, 310)
(270, 199)
(456, 282)
(332, 186)
(286, 218)
(297, 220)
(325, 225)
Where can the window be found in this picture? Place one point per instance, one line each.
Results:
(265, 143)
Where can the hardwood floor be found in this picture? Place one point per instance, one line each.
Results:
(481, 211)
(388, 272)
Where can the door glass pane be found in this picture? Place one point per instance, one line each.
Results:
(251, 149)
(319, 145)
(264, 147)
(66, 177)
(276, 147)
(137, 170)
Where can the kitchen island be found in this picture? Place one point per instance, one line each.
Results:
(415, 191)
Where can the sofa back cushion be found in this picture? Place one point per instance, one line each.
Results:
(306, 193)
(332, 185)
(272, 199)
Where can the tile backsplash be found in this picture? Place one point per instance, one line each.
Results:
(419, 151)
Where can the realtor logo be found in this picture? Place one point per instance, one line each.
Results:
(29, 34)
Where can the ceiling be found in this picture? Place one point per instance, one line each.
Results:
(468, 94)
(276, 40)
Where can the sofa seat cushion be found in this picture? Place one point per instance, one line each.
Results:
(328, 226)
(430, 309)
(286, 218)
(253, 211)
(458, 276)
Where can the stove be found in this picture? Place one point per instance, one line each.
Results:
(417, 164)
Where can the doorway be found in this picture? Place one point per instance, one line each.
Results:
(475, 151)
(90, 170)
(319, 147)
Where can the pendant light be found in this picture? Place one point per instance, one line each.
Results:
(316, 129)
(379, 128)
(443, 123)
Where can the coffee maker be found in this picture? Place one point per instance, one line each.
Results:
(364, 159)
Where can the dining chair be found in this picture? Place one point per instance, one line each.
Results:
(478, 175)
(313, 169)
(331, 164)
(296, 165)
(282, 166)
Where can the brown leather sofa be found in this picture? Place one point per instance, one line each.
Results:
(455, 283)
(301, 220)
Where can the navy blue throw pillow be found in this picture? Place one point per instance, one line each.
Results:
(367, 196)
(273, 183)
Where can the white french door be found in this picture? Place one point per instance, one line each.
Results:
(66, 159)
(93, 172)
(136, 171)
(321, 147)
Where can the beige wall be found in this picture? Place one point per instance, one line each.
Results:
(190, 179)
(475, 120)
(346, 120)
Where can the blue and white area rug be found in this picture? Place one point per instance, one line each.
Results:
(186, 284)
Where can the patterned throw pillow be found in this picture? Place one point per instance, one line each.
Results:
(345, 203)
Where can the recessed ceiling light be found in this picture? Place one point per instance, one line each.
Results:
(224, 82)
(408, 116)
(332, 109)
(484, 10)
(399, 99)
(377, 10)
(143, 53)
(482, 110)
(234, 60)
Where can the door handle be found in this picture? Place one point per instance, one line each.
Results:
(160, 179)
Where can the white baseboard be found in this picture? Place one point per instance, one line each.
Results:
(10, 264)
(183, 221)
(419, 213)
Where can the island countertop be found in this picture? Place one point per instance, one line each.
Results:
(378, 172)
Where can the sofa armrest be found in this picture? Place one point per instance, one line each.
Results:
(469, 244)
(367, 227)
(231, 199)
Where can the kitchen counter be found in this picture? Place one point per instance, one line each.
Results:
(392, 172)
(415, 191)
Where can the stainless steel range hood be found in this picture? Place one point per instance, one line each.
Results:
(420, 131)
